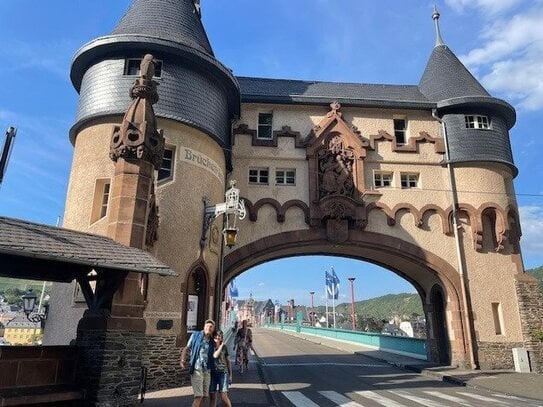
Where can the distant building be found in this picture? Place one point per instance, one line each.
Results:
(20, 331)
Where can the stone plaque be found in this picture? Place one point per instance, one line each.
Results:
(164, 324)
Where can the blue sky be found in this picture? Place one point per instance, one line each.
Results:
(366, 41)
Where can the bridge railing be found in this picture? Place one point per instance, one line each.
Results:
(413, 347)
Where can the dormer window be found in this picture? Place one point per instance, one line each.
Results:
(132, 67)
(400, 131)
(265, 126)
(477, 122)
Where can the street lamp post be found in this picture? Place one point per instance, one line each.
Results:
(233, 208)
(312, 309)
(351, 280)
(6, 151)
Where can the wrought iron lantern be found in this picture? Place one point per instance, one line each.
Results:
(29, 303)
(233, 209)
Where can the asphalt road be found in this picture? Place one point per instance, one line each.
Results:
(305, 374)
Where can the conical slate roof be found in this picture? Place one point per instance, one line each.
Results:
(172, 20)
(445, 77)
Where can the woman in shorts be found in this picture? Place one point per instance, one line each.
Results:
(221, 377)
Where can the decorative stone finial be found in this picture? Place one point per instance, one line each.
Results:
(137, 138)
(435, 17)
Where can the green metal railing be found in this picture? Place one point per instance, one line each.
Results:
(412, 347)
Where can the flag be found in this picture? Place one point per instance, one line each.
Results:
(233, 289)
(332, 285)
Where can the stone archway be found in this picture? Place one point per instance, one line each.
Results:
(423, 269)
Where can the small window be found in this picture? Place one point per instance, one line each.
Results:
(259, 176)
(265, 126)
(105, 200)
(132, 67)
(101, 199)
(382, 179)
(166, 168)
(400, 131)
(498, 317)
(410, 180)
(285, 177)
(477, 122)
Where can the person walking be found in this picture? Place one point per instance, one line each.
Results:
(243, 343)
(221, 377)
(202, 362)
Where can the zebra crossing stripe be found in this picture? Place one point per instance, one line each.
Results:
(298, 399)
(416, 399)
(483, 398)
(340, 399)
(378, 398)
(448, 397)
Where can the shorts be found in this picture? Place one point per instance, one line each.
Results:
(200, 381)
(219, 382)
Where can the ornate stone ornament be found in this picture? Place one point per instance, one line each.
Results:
(137, 138)
(335, 151)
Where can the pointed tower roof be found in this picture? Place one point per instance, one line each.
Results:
(172, 20)
(445, 77)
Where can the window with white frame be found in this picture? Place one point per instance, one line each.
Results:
(265, 126)
(285, 177)
(132, 67)
(382, 179)
(400, 131)
(101, 199)
(409, 180)
(477, 122)
(166, 167)
(259, 176)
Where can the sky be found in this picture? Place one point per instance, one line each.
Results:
(364, 41)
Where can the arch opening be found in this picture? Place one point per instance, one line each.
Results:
(422, 269)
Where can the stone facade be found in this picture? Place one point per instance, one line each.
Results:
(162, 358)
(531, 313)
(496, 355)
(110, 366)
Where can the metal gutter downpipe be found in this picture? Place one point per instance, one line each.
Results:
(459, 252)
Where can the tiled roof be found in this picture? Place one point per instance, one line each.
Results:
(172, 20)
(46, 245)
(21, 321)
(445, 77)
(298, 91)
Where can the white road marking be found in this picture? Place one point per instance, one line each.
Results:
(340, 399)
(448, 397)
(298, 399)
(422, 401)
(483, 398)
(320, 364)
(378, 398)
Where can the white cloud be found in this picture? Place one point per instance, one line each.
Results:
(510, 58)
(53, 57)
(531, 219)
(491, 6)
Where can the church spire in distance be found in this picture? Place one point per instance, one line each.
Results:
(435, 17)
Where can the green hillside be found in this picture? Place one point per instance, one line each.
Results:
(537, 273)
(13, 289)
(384, 307)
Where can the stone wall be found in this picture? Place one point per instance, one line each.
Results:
(109, 366)
(497, 355)
(162, 359)
(530, 301)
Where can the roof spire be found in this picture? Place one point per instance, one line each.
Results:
(435, 17)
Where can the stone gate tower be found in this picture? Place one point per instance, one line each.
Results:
(198, 99)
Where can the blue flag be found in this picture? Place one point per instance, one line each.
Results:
(233, 290)
(332, 285)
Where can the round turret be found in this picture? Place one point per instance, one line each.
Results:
(477, 123)
(194, 88)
